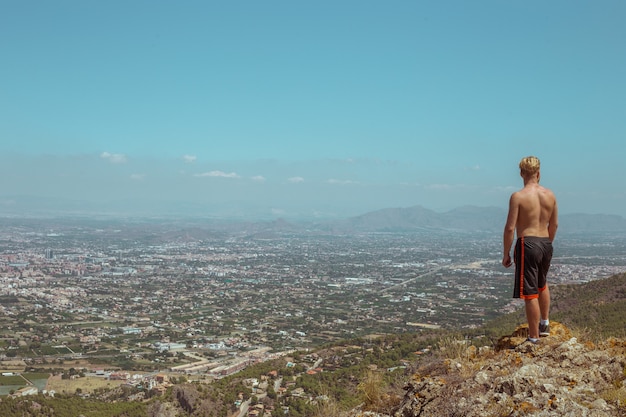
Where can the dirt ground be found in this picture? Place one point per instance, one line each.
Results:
(87, 384)
(11, 366)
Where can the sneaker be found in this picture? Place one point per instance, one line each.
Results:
(534, 342)
(544, 329)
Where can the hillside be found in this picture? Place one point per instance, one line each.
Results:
(597, 307)
(579, 370)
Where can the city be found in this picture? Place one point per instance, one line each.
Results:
(148, 302)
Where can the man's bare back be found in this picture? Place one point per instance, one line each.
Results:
(536, 206)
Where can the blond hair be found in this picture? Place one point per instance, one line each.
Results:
(529, 166)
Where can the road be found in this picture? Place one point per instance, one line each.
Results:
(432, 271)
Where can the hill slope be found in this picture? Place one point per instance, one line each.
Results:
(576, 371)
(598, 308)
(560, 376)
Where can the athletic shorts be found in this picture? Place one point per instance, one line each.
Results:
(532, 258)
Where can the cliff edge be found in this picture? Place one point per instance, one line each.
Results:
(563, 375)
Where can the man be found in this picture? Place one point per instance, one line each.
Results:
(533, 215)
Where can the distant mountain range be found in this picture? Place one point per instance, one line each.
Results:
(466, 219)
(227, 219)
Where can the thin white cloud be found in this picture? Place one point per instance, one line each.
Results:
(258, 178)
(506, 188)
(440, 187)
(189, 158)
(9, 202)
(454, 187)
(473, 168)
(341, 182)
(218, 174)
(295, 180)
(137, 177)
(114, 158)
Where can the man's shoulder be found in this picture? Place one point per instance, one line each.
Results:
(547, 191)
(517, 196)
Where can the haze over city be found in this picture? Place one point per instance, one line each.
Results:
(323, 109)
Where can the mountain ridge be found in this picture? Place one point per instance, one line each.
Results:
(467, 219)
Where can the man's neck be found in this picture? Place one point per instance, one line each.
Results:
(532, 180)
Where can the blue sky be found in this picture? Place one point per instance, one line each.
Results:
(284, 108)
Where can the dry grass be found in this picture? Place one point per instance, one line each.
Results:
(453, 348)
(327, 407)
(375, 395)
(87, 384)
(617, 396)
(585, 335)
(372, 389)
(12, 366)
(465, 359)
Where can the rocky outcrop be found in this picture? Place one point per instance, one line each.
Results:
(560, 376)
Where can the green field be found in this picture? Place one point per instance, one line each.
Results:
(12, 380)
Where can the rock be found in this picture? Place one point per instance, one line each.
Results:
(558, 377)
(599, 404)
(482, 378)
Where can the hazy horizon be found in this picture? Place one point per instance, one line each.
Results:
(59, 209)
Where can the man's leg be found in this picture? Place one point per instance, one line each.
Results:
(544, 308)
(533, 314)
(544, 303)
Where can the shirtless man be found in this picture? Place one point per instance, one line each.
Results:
(533, 215)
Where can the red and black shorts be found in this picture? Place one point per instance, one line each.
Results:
(532, 258)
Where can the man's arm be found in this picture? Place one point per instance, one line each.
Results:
(509, 230)
(553, 223)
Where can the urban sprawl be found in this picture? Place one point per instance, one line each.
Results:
(147, 302)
